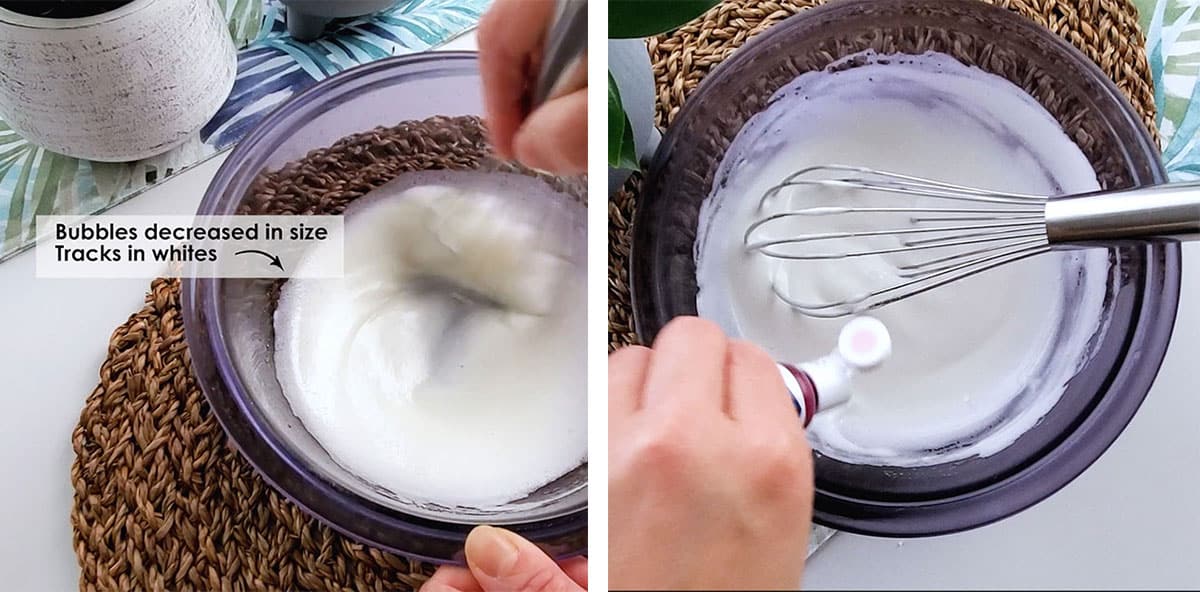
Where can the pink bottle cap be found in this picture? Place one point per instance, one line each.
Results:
(863, 343)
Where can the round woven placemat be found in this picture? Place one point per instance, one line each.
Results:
(162, 499)
(1105, 30)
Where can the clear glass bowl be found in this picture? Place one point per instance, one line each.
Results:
(229, 328)
(1143, 281)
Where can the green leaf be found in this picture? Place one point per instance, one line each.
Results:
(14, 151)
(628, 19)
(622, 154)
(5, 165)
(45, 187)
(16, 208)
(66, 199)
(111, 179)
(245, 19)
(10, 137)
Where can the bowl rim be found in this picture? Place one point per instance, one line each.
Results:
(348, 513)
(1126, 388)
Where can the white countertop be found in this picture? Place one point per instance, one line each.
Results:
(1130, 521)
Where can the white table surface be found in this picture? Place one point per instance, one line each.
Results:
(1131, 521)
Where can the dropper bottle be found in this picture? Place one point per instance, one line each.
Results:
(822, 384)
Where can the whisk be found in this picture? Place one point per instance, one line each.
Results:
(984, 229)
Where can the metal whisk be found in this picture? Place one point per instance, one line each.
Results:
(982, 229)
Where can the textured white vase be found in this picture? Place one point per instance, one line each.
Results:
(123, 85)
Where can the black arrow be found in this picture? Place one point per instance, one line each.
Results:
(274, 258)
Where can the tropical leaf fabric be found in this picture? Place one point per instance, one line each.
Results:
(245, 19)
(1173, 48)
(271, 68)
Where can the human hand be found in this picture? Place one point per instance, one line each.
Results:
(502, 561)
(710, 476)
(553, 137)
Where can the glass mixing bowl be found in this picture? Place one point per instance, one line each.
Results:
(230, 334)
(1143, 280)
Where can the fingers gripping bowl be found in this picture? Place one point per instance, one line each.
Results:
(399, 119)
(952, 488)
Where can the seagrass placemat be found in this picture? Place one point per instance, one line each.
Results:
(162, 499)
(1105, 30)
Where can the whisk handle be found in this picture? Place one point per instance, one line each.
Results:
(566, 42)
(1159, 212)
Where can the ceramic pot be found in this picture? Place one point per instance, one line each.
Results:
(306, 19)
(120, 85)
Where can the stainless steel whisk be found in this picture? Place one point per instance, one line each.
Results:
(987, 229)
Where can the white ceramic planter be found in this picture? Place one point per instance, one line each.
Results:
(123, 85)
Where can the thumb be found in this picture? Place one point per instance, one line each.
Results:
(554, 137)
(502, 561)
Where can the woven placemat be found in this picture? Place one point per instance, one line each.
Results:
(1105, 30)
(162, 499)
